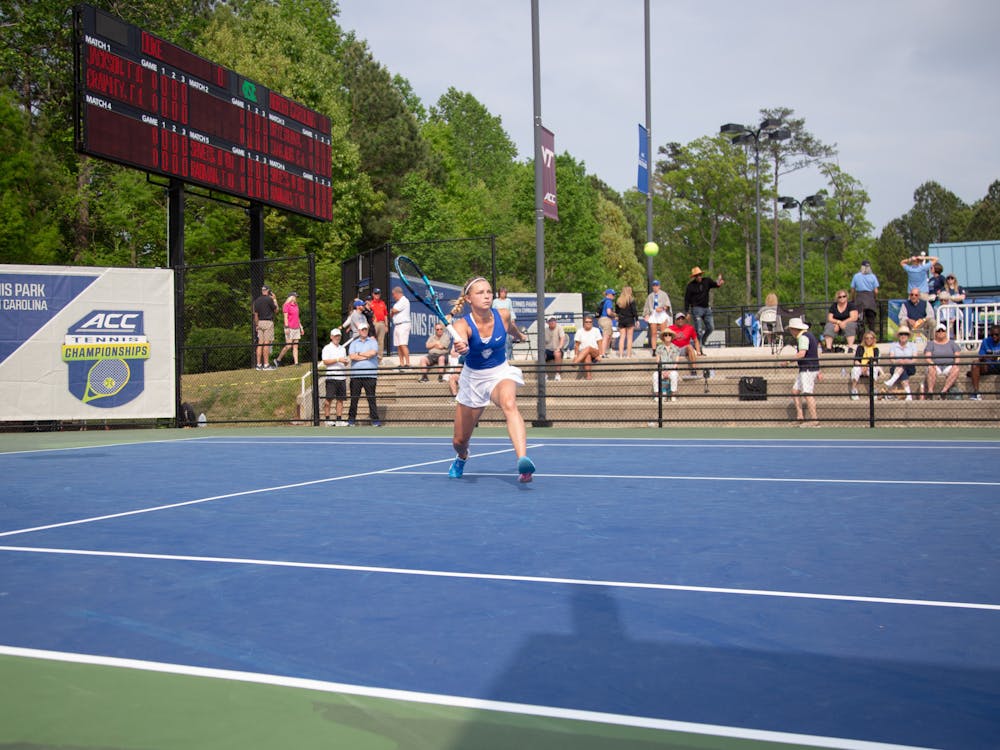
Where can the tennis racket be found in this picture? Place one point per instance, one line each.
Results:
(420, 287)
(106, 378)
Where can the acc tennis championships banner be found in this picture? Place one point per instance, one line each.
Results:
(86, 343)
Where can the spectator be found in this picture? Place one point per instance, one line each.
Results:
(605, 319)
(587, 346)
(293, 328)
(656, 312)
(627, 316)
(380, 314)
(864, 288)
(942, 359)
(356, 318)
(952, 295)
(841, 320)
(684, 338)
(401, 325)
(917, 268)
(438, 344)
(363, 353)
(697, 302)
(555, 342)
(807, 354)
(264, 308)
(935, 283)
(989, 360)
(667, 353)
(335, 360)
(915, 312)
(867, 353)
(903, 356)
(514, 335)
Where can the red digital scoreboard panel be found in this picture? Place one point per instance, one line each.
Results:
(147, 103)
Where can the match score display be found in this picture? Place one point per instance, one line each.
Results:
(147, 103)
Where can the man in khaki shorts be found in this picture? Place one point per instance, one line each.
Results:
(264, 308)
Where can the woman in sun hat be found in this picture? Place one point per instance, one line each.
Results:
(807, 354)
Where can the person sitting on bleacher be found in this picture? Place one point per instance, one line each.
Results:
(903, 356)
(915, 313)
(841, 319)
(866, 353)
(989, 360)
(685, 338)
(942, 359)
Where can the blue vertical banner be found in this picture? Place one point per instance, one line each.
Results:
(547, 143)
(643, 180)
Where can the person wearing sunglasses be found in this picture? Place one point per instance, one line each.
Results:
(841, 320)
(915, 312)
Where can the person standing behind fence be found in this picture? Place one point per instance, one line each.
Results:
(697, 301)
(335, 360)
(628, 313)
(363, 353)
(401, 325)
(917, 268)
(605, 320)
(807, 354)
(656, 312)
(293, 328)
(264, 308)
(380, 314)
(864, 287)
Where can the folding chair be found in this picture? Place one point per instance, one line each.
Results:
(770, 329)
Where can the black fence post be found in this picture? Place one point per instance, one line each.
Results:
(314, 326)
(871, 392)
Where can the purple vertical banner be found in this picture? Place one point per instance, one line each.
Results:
(547, 141)
(643, 181)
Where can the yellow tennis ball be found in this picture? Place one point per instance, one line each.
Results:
(651, 249)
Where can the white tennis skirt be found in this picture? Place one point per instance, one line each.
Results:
(476, 386)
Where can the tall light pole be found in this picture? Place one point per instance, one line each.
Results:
(813, 201)
(770, 130)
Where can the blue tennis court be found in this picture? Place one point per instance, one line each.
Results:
(641, 592)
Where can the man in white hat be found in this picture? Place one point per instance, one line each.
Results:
(903, 355)
(335, 361)
(807, 354)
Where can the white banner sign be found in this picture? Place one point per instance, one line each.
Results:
(86, 343)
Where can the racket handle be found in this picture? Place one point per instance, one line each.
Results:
(455, 336)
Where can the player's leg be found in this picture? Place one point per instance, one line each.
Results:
(505, 396)
(466, 419)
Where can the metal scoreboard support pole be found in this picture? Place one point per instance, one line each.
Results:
(536, 86)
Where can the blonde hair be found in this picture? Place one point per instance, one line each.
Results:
(867, 334)
(625, 297)
(771, 300)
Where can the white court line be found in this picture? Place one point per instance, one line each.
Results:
(502, 577)
(455, 701)
(242, 493)
(709, 478)
(97, 446)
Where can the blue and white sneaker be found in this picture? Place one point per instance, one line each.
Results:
(525, 468)
(457, 468)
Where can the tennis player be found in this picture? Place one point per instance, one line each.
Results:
(486, 377)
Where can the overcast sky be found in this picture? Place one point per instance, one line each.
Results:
(907, 90)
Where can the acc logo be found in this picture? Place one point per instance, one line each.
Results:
(105, 353)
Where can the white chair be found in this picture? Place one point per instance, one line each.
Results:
(771, 333)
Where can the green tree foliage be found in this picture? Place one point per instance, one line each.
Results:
(938, 215)
(984, 224)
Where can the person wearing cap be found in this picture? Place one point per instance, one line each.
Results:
(684, 338)
(942, 356)
(656, 312)
(380, 314)
(918, 268)
(698, 304)
(264, 308)
(841, 320)
(916, 312)
(335, 360)
(355, 318)
(807, 354)
(555, 342)
(904, 363)
(293, 328)
(605, 320)
(400, 311)
(989, 360)
(864, 290)
(363, 354)
(668, 354)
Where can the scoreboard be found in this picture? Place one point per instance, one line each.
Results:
(149, 104)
